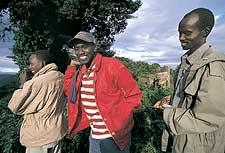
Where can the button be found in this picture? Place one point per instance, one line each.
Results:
(113, 133)
(105, 119)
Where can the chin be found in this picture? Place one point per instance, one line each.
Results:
(185, 47)
(83, 62)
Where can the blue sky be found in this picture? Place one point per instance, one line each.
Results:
(152, 36)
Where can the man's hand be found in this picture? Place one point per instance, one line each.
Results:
(74, 63)
(163, 103)
(24, 76)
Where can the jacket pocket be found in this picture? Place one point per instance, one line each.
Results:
(195, 81)
(192, 88)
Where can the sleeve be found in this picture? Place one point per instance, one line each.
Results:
(22, 101)
(129, 88)
(68, 79)
(207, 113)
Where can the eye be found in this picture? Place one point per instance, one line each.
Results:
(85, 47)
(187, 33)
(76, 48)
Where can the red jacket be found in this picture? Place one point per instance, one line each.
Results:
(117, 97)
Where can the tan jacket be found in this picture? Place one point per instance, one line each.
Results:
(198, 122)
(41, 101)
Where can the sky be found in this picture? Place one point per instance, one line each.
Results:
(152, 35)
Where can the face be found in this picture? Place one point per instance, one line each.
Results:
(190, 36)
(35, 64)
(85, 52)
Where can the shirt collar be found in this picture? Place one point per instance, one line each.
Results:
(197, 55)
(96, 62)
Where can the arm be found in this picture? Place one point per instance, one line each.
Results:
(207, 114)
(129, 88)
(69, 75)
(22, 99)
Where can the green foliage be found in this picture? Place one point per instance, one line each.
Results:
(139, 69)
(6, 79)
(8, 83)
(39, 22)
(10, 123)
(148, 128)
(146, 134)
(9, 131)
(79, 143)
(149, 125)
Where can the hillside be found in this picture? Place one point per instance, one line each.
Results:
(6, 79)
(146, 134)
(8, 82)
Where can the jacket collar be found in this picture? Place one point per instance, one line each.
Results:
(209, 55)
(45, 69)
(198, 54)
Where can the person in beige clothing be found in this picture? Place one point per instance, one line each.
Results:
(196, 117)
(41, 101)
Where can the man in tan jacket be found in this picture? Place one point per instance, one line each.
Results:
(41, 101)
(196, 117)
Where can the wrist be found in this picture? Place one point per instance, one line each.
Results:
(21, 85)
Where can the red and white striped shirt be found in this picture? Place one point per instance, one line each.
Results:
(98, 126)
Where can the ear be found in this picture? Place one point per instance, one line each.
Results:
(95, 48)
(207, 30)
(43, 63)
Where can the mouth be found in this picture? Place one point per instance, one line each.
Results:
(83, 57)
(184, 44)
(33, 72)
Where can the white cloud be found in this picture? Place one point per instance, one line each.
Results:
(9, 70)
(6, 64)
(152, 36)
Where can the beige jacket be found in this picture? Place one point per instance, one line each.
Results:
(41, 101)
(198, 121)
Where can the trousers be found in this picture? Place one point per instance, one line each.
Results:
(107, 145)
(53, 147)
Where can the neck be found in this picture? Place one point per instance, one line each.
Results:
(195, 48)
(89, 64)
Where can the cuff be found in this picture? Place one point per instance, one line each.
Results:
(166, 115)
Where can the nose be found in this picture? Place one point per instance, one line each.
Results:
(79, 50)
(181, 37)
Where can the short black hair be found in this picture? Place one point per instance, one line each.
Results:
(43, 55)
(206, 18)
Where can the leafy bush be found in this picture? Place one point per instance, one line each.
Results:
(9, 131)
(146, 134)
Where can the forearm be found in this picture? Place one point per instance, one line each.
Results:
(184, 121)
(130, 89)
(19, 102)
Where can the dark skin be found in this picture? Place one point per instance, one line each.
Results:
(191, 38)
(85, 52)
(35, 64)
(190, 35)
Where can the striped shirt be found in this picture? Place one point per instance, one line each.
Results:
(98, 126)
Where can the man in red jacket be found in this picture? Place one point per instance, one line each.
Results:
(102, 95)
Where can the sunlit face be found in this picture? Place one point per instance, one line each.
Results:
(35, 64)
(85, 52)
(190, 36)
